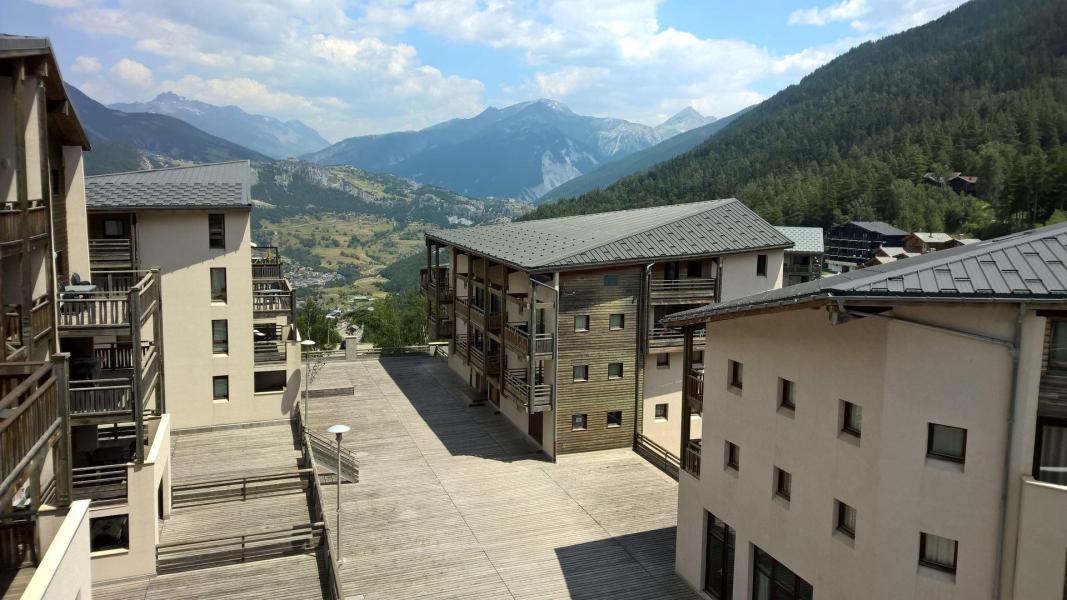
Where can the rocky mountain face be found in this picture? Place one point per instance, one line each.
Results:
(520, 151)
(267, 135)
(686, 119)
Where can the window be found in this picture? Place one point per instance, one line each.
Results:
(220, 387)
(851, 418)
(698, 357)
(736, 376)
(786, 394)
(216, 231)
(761, 265)
(578, 422)
(220, 337)
(611, 280)
(938, 552)
(1050, 451)
(663, 360)
(661, 411)
(783, 483)
(269, 381)
(694, 269)
(616, 321)
(846, 519)
(719, 559)
(771, 579)
(614, 418)
(581, 322)
(113, 228)
(615, 370)
(581, 372)
(946, 443)
(109, 533)
(733, 456)
(218, 284)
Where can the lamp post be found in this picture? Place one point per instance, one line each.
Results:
(306, 345)
(339, 430)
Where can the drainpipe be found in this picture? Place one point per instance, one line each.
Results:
(642, 336)
(1013, 347)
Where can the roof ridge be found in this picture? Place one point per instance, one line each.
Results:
(626, 210)
(692, 212)
(174, 168)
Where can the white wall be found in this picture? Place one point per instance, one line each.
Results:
(64, 571)
(663, 385)
(739, 277)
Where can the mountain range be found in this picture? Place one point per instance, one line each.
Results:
(981, 90)
(520, 151)
(266, 135)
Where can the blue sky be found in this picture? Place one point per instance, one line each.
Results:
(351, 67)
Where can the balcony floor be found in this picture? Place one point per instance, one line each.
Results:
(454, 503)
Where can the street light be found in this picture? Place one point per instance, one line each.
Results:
(306, 344)
(339, 430)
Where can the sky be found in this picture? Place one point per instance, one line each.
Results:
(356, 67)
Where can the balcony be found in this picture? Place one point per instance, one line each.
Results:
(691, 459)
(266, 262)
(110, 397)
(440, 327)
(463, 347)
(268, 344)
(664, 337)
(11, 232)
(29, 417)
(103, 483)
(518, 339)
(16, 338)
(488, 322)
(463, 308)
(490, 365)
(694, 389)
(536, 398)
(111, 255)
(435, 284)
(682, 291)
(108, 304)
(272, 298)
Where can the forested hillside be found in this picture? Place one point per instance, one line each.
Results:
(983, 90)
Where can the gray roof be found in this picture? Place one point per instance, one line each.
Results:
(218, 185)
(880, 227)
(625, 236)
(1031, 265)
(806, 240)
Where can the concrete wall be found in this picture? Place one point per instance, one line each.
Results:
(903, 377)
(1042, 548)
(64, 571)
(739, 277)
(663, 385)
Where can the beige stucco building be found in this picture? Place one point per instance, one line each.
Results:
(897, 432)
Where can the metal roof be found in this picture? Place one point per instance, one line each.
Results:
(636, 235)
(806, 240)
(1031, 265)
(932, 237)
(879, 227)
(217, 185)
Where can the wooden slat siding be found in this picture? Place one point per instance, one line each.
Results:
(584, 293)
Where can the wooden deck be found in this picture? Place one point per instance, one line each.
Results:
(453, 503)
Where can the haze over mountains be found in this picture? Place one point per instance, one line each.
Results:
(266, 135)
(520, 151)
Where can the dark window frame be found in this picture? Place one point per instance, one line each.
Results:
(761, 265)
(216, 231)
(578, 329)
(783, 483)
(735, 374)
(848, 410)
(262, 382)
(935, 564)
(697, 353)
(663, 360)
(931, 453)
(584, 418)
(801, 589)
(224, 342)
(622, 370)
(617, 423)
(622, 322)
(124, 534)
(787, 399)
(720, 540)
(664, 413)
(214, 390)
(611, 280)
(216, 296)
(574, 373)
(733, 456)
(841, 524)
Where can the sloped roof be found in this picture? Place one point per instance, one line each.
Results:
(62, 115)
(933, 237)
(879, 227)
(805, 239)
(1031, 265)
(636, 235)
(217, 185)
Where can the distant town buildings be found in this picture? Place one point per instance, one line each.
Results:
(851, 245)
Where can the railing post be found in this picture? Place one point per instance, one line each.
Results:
(157, 341)
(133, 306)
(63, 450)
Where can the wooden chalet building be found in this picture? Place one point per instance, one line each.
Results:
(803, 262)
(851, 245)
(556, 322)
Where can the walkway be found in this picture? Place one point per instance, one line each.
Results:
(453, 503)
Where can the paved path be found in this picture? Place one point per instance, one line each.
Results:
(453, 503)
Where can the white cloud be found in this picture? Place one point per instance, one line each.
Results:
(86, 64)
(133, 74)
(62, 3)
(882, 16)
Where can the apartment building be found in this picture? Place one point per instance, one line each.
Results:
(803, 262)
(895, 432)
(556, 322)
(850, 245)
(228, 311)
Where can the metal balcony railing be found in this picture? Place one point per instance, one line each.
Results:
(694, 386)
(517, 338)
(691, 461)
(535, 398)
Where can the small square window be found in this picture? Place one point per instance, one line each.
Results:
(851, 418)
(846, 519)
(220, 338)
(615, 370)
(946, 443)
(113, 228)
(216, 230)
(578, 422)
(698, 357)
(786, 394)
(611, 280)
(581, 372)
(663, 360)
(661, 411)
(218, 284)
(761, 265)
(221, 387)
(733, 456)
(694, 269)
(736, 376)
(616, 321)
(614, 418)
(783, 483)
(109, 533)
(581, 322)
(938, 552)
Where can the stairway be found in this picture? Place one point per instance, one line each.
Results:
(325, 451)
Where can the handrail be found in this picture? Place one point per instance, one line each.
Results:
(34, 416)
(101, 482)
(704, 284)
(692, 458)
(336, 587)
(659, 456)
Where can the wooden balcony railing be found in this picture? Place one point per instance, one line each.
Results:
(266, 262)
(113, 397)
(110, 255)
(536, 398)
(11, 224)
(118, 355)
(272, 297)
(110, 303)
(12, 333)
(517, 338)
(435, 283)
(105, 482)
(41, 317)
(30, 406)
(694, 387)
(463, 307)
(463, 347)
(664, 337)
(683, 289)
(691, 460)
(440, 327)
